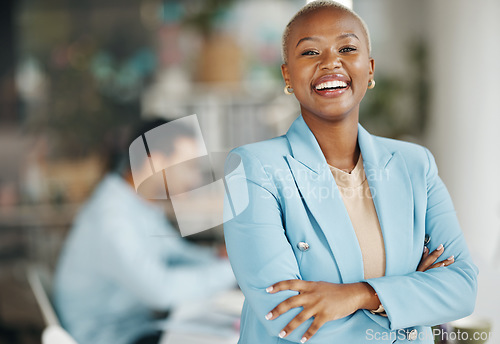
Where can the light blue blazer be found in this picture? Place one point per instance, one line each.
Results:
(281, 192)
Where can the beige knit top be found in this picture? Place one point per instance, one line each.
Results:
(358, 201)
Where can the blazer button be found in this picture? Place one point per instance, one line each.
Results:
(427, 239)
(303, 246)
(412, 335)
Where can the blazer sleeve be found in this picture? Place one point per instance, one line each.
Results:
(258, 249)
(441, 294)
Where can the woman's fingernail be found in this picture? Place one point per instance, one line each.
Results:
(451, 258)
(269, 315)
(442, 265)
(282, 334)
(303, 340)
(440, 247)
(269, 289)
(425, 249)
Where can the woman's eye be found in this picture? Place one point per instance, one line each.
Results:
(309, 52)
(347, 49)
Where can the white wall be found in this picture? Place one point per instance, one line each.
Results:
(464, 132)
(465, 113)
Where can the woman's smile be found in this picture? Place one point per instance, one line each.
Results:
(331, 85)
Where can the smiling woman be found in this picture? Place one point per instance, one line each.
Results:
(343, 232)
(316, 45)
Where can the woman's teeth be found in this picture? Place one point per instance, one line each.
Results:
(331, 84)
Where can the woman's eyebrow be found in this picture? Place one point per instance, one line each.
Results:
(348, 34)
(306, 39)
(342, 36)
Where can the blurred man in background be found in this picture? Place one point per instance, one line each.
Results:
(123, 260)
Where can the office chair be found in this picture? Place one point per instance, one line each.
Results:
(53, 333)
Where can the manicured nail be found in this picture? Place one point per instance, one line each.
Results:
(269, 315)
(440, 247)
(425, 249)
(269, 289)
(303, 340)
(451, 258)
(282, 334)
(442, 265)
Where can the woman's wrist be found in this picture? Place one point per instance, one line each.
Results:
(368, 298)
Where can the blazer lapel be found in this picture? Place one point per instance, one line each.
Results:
(322, 197)
(391, 191)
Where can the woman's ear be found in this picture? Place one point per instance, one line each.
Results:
(286, 75)
(372, 67)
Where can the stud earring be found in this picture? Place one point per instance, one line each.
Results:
(371, 84)
(288, 90)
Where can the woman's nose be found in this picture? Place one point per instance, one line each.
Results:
(330, 61)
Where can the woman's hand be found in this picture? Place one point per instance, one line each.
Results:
(330, 301)
(428, 261)
(322, 300)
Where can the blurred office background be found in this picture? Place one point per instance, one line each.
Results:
(74, 76)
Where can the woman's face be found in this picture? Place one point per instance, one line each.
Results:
(328, 64)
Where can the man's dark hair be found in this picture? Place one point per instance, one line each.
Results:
(120, 161)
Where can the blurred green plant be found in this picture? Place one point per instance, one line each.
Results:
(95, 72)
(204, 15)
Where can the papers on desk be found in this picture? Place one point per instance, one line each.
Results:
(218, 318)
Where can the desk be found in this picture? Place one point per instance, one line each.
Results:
(214, 321)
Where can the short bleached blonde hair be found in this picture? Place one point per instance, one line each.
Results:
(312, 7)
